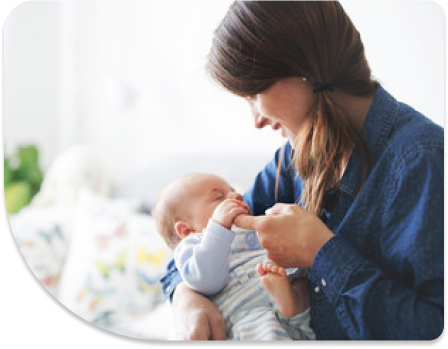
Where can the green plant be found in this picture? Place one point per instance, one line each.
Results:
(22, 177)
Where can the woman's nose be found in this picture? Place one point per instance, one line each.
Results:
(260, 121)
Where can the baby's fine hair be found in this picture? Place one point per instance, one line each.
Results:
(166, 211)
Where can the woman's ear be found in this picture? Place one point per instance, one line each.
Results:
(182, 229)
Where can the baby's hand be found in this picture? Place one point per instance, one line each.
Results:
(228, 210)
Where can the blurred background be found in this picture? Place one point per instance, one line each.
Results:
(128, 78)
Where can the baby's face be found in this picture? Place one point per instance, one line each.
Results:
(206, 192)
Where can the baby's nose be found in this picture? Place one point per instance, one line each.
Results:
(235, 196)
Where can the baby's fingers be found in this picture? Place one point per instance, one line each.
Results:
(236, 211)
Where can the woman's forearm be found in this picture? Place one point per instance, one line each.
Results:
(372, 304)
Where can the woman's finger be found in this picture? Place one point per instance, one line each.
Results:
(279, 209)
(217, 326)
(249, 222)
(276, 210)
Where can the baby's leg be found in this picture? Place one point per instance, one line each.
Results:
(275, 281)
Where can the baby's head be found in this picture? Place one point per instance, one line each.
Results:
(185, 205)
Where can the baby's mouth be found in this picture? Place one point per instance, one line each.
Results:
(246, 206)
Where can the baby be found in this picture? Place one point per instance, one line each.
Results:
(195, 215)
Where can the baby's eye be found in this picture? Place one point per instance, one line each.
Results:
(217, 195)
(220, 196)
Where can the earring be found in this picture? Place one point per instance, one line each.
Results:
(304, 79)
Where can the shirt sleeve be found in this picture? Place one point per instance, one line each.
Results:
(170, 281)
(203, 259)
(370, 301)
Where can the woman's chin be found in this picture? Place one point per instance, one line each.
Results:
(289, 139)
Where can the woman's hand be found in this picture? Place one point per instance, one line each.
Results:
(196, 317)
(291, 235)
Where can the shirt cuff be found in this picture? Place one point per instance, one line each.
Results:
(170, 281)
(177, 279)
(216, 232)
(333, 265)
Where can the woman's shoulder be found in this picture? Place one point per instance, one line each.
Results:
(395, 128)
(414, 134)
(416, 124)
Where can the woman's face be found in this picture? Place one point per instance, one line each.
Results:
(283, 106)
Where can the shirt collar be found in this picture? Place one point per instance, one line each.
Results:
(380, 120)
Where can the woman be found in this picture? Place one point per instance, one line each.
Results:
(359, 182)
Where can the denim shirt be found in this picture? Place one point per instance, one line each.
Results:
(382, 275)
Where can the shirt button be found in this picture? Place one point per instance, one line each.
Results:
(323, 282)
(317, 289)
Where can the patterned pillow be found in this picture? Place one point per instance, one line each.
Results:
(115, 261)
(43, 236)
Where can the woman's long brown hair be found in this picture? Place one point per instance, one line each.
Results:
(261, 42)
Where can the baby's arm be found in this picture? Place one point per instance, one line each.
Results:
(203, 259)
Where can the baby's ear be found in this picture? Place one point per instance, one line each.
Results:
(182, 229)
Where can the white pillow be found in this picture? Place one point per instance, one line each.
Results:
(43, 236)
(115, 261)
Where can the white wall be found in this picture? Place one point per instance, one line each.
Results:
(30, 80)
(128, 77)
(405, 46)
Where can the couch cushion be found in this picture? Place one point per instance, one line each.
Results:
(114, 263)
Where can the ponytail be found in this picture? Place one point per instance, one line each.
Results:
(322, 149)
